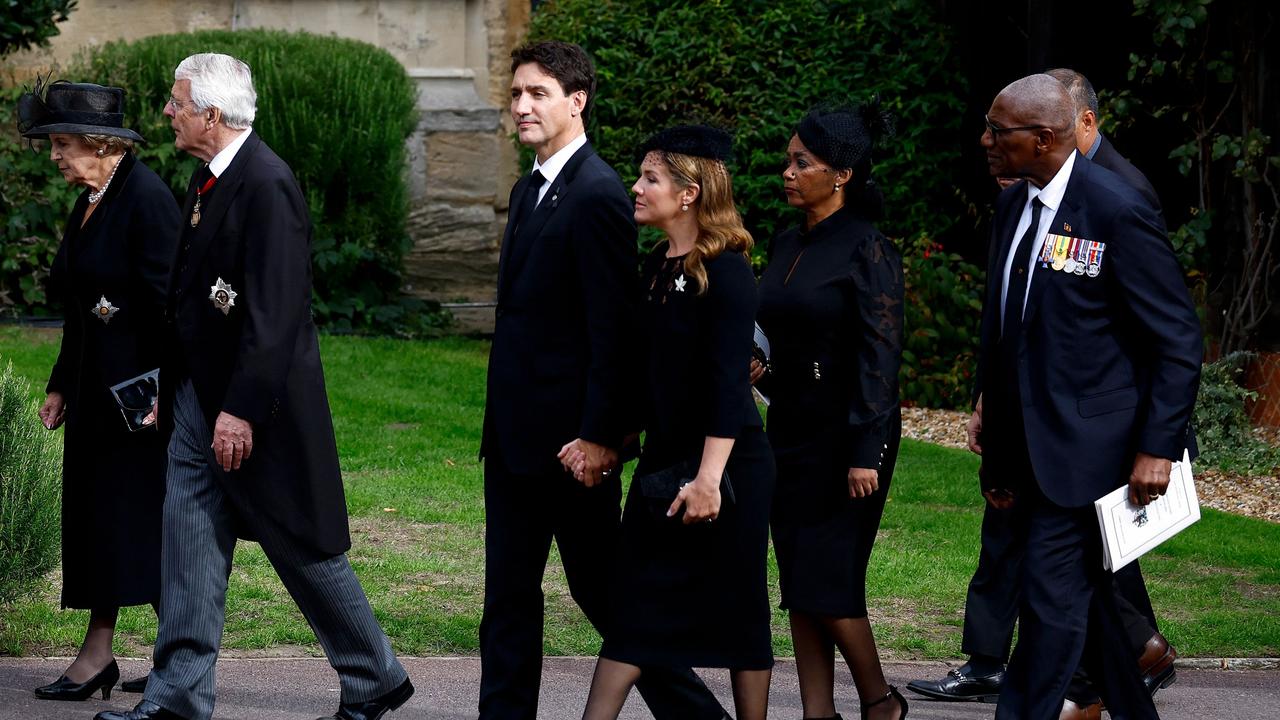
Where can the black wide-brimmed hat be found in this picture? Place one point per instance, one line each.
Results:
(74, 109)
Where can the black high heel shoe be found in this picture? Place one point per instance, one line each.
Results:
(893, 693)
(64, 689)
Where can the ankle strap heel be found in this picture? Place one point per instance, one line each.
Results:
(893, 693)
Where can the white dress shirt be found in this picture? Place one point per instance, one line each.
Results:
(222, 160)
(1051, 197)
(554, 164)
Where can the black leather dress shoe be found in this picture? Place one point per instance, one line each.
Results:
(375, 708)
(145, 710)
(136, 685)
(64, 689)
(960, 686)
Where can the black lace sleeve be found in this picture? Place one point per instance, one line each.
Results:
(877, 330)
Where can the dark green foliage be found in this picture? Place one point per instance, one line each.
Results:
(30, 490)
(338, 111)
(25, 24)
(34, 203)
(755, 67)
(1222, 426)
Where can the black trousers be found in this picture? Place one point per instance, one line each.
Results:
(522, 515)
(992, 605)
(1068, 618)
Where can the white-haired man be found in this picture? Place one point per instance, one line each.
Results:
(252, 452)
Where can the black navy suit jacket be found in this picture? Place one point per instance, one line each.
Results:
(261, 360)
(1111, 159)
(1107, 366)
(564, 334)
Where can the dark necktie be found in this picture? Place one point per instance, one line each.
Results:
(530, 199)
(1019, 277)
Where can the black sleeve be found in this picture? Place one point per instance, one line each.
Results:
(153, 241)
(604, 248)
(729, 325)
(1149, 279)
(877, 336)
(277, 296)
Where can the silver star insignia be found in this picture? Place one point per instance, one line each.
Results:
(104, 310)
(223, 297)
(680, 281)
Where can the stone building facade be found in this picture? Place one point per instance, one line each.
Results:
(462, 163)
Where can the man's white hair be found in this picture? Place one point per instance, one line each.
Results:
(223, 82)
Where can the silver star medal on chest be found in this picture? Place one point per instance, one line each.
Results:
(680, 282)
(104, 310)
(222, 296)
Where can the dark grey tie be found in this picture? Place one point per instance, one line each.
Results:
(529, 200)
(1019, 277)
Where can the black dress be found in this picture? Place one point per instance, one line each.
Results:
(697, 595)
(831, 306)
(112, 478)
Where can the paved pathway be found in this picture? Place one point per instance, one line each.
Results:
(302, 689)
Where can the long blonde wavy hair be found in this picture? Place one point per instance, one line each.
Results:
(720, 226)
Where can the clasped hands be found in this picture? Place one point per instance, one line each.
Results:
(1147, 482)
(589, 463)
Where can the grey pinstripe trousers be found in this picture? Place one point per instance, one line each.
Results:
(199, 539)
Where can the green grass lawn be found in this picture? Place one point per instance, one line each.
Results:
(408, 415)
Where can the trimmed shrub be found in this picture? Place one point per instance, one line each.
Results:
(34, 204)
(755, 68)
(30, 490)
(1223, 430)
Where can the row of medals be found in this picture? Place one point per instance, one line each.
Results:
(1072, 255)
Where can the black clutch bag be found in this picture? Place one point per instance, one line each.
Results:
(137, 399)
(661, 487)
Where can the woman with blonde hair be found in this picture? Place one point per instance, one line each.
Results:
(690, 588)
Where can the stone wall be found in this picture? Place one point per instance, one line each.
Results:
(462, 162)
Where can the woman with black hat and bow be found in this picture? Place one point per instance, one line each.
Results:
(111, 274)
(831, 307)
(691, 586)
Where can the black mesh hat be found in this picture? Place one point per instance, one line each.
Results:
(701, 141)
(843, 135)
(74, 109)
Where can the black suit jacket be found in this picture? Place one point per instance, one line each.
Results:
(1111, 159)
(1106, 366)
(261, 361)
(564, 332)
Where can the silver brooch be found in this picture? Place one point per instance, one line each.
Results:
(104, 310)
(222, 296)
(680, 281)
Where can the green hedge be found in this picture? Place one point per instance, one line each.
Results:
(338, 111)
(754, 67)
(30, 490)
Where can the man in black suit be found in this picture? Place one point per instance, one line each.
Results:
(991, 609)
(559, 380)
(253, 452)
(1087, 380)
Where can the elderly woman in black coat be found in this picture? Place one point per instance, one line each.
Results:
(111, 274)
(831, 306)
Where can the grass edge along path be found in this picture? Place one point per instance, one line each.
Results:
(407, 416)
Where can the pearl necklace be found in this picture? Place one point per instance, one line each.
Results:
(95, 196)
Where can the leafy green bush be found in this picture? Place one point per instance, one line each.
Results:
(34, 203)
(339, 112)
(755, 67)
(1222, 425)
(30, 23)
(30, 490)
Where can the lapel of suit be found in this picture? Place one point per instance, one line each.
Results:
(214, 208)
(1068, 216)
(508, 234)
(528, 235)
(1004, 242)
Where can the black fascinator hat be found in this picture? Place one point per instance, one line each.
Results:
(694, 140)
(844, 136)
(74, 109)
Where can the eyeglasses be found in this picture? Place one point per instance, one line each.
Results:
(177, 104)
(996, 130)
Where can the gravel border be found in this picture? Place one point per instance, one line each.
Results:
(1253, 496)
